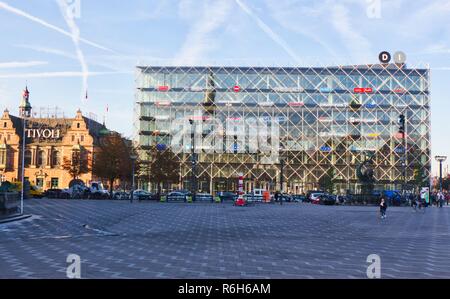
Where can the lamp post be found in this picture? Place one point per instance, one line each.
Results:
(281, 171)
(193, 160)
(23, 163)
(133, 158)
(440, 159)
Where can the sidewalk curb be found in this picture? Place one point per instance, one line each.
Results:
(14, 218)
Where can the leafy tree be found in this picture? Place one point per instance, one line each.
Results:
(78, 164)
(420, 179)
(326, 182)
(446, 183)
(113, 159)
(161, 166)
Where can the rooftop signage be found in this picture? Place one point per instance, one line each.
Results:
(43, 133)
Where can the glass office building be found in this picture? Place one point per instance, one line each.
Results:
(286, 126)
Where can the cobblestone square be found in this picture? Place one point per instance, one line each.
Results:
(117, 239)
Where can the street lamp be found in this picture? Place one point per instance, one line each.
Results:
(193, 160)
(23, 162)
(133, 158)
(440, 159)
(281, 154)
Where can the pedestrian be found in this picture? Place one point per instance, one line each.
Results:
(440, 199)
(383, 208)
(278, 197)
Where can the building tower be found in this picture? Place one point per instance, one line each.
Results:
(25, 106)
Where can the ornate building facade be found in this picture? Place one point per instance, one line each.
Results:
(52, 144)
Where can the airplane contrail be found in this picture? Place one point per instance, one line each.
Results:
(21, 13)
(274, 36)
(76, 41)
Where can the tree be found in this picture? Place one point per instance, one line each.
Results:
(79, 164)
(420, 179)
(446, 183)
(113, 159)
(162, 166)
(326, 182)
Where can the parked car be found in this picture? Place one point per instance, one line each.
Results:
(65, 194)
(298, 198)
(314, 197)
(310, 193)
(53, 193)
(204, 197)
(143, 195)
(284, 197)
(121, 195)
(177, 196)
(97, 191)
(341, 199)
(252, 197)
(327, 199)
(227, 196)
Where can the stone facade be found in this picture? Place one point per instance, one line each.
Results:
(49, 142)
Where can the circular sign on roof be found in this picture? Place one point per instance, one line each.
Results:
(399, 57)
(384, 57)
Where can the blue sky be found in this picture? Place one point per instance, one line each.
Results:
(40, 45)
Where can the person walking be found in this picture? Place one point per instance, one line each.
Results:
(440, 199)
(383, 208)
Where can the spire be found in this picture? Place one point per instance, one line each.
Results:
(25, 106)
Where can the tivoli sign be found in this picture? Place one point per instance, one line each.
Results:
(43, 133)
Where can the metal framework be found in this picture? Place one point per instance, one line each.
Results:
(327, 119)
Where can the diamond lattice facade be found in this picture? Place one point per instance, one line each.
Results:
(290, 125)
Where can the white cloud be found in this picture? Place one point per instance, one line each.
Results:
(21, 64)
(356, 43)
(21, 13)
(200, 40)
(298, 19)
(273, 36)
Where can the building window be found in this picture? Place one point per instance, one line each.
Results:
(40, 182)
(56, 158)
(76, 157)
(40, 159)
(27, 158)
(3, 156)
(4, 124)
(78, 125)
(73, 138)
(54, 183)
(82, 138)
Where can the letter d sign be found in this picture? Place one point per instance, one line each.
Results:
(374, 269)
(384, 57)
